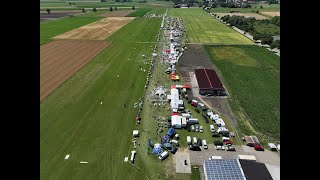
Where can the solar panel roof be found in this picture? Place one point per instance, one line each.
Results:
(223, 169)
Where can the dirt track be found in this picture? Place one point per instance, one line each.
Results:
(121, 13)
(271, 13)
(60, 59)
(98, 30)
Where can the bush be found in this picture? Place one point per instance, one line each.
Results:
(266, 40)
(275, 44)
(111, 9)
(133, 8)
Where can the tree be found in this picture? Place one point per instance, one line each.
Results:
(275, 44)
(261, 7)
(69, 3)
(48, 11)
(74, 3)
(115, 8)
(111, 9)
(94, 9)
(133, 8)
(266, 40)
(83, 10)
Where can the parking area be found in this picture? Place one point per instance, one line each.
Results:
(181, 167)
(268, 157)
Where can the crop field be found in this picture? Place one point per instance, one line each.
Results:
(247, 15)
(49, 29)
(62, 58)
(201, 28)
(252, 77)
(268, 29)
(86, 118)
(98, 30)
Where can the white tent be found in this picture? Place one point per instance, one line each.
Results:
(176, 122)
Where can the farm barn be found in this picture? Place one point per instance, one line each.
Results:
(209, 82)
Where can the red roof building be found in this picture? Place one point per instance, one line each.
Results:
(208, 81)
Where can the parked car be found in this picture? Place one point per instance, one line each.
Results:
(258, 147)
(174, 150)
(230, 148)
(206, 119)
(197, 128)
(201, 129)
(197, 110)
(194, 148)
(218, 143)
(228, 142)
(215, 135)
(212, 128)
(220, 147)
(225, 134)
(192, 128)
(204, 115)
(204, 144)
(199, 142)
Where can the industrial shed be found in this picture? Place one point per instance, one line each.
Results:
(209, 82)
(255, 170)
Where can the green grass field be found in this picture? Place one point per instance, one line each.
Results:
(72, 120)
(139, 12)
(201, 28)
(269, 29)
(252, 77)
(49, 29)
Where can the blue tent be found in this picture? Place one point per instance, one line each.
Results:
(157, 149)
(171, 132)
(165, 138)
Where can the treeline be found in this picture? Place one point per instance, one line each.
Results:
(248, 25)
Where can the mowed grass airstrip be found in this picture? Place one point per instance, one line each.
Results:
(202, 28)
(73, 120)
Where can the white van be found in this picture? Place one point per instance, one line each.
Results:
(174, 141)
(192, 128)
(194, 140)
(163, 155)
(133, 154)
(204, 144)
(212, 128)
(188, 140)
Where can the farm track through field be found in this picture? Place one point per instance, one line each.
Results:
(62, 58)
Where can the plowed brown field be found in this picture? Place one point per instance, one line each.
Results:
(98, 30)
(60, 59)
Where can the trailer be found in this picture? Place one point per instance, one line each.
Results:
(189, 140)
